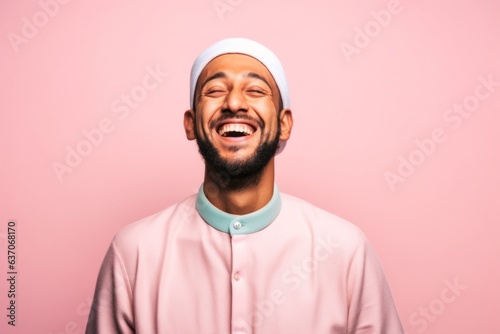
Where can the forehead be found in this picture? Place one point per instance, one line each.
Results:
(235, 64)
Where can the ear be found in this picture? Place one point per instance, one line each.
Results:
(286, 121)
(189, 125)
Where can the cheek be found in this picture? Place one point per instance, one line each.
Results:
(201, 126)
(202, 122)
(209, 104)
(207, 109)
(264, 102)
(267, 112)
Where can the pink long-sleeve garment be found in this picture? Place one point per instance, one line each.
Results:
(288, 268)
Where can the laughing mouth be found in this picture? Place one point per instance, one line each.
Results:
(235, 130)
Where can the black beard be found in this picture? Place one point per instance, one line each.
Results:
(239, 174)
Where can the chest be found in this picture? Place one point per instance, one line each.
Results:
(246, 284)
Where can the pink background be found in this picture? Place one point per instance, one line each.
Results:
(355, 117)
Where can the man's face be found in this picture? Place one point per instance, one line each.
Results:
(236, 121)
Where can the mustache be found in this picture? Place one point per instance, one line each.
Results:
(213, 123)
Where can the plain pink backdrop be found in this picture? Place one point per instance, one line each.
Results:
(357, 114)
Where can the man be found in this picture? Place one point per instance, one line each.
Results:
(239, 257)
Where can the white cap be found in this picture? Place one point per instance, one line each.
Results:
(246, 47)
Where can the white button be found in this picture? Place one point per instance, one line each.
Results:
(237, 276)
(237, 225)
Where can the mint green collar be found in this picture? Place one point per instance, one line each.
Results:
(234, 224)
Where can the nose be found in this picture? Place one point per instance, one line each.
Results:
(235, 101)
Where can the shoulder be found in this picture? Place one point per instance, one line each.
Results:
(156, 227)
(319, 221)
(292, 205)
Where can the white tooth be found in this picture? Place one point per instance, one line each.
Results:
(243, 128)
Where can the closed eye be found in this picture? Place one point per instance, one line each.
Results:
(215, 92)
(257, 91)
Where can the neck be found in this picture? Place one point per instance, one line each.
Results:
(239, 201)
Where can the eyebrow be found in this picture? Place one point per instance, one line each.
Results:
(217, 75)
(257, 76)
(223, 75)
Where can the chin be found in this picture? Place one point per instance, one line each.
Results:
(242, 165)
